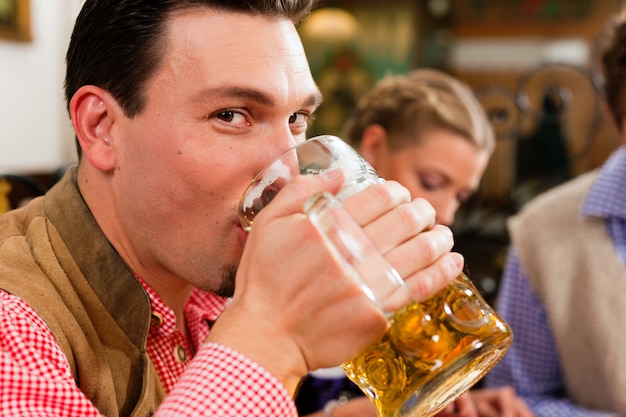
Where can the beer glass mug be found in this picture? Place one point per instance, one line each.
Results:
(434, 350)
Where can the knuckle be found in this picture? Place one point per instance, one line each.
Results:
(421, 287)
(427, 248)
(410, 219)
(383, 192)
(433, 244)
(390, 193)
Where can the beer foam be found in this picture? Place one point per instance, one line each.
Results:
(277, 170)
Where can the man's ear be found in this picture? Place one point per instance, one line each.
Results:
(94, 112)
(374, 145)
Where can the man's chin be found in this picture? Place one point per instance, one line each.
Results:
(227, 283)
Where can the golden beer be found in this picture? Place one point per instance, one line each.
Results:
(433, 352)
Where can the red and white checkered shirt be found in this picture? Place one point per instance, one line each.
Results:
(35, 377)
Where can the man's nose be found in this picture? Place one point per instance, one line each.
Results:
(273, 145)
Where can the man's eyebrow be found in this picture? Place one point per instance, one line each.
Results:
(314, 99)
(236, 92)
(253, 94)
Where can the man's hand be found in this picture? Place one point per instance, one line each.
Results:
(296, 307)
(408, 237)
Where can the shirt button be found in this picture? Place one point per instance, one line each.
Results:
(156, 319)
(180, 354)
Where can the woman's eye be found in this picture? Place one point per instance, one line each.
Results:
(429, 182)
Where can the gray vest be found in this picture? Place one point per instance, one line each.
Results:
(581, 282)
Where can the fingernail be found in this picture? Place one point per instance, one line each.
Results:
(447, 229)
(331, 175)
(457, 259)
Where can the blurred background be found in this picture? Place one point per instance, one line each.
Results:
(532, 64)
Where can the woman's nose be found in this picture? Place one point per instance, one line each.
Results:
(445, 212)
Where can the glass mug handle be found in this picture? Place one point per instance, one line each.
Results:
(377, 278)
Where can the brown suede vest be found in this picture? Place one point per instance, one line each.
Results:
(581, 281)
(54, 256)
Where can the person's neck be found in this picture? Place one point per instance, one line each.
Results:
(171, 290)
(174, 294)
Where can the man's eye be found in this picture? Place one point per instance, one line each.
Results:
(230, 116)
(299, 118)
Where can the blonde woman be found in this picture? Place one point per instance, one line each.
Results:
(427, 131)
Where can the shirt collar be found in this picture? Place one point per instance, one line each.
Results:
(202, 306)
(607, 196)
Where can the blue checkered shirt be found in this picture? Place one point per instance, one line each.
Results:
(532, 364)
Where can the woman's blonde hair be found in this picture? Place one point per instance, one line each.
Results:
(407, 106)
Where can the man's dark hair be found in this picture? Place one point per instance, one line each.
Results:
(117, 45)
